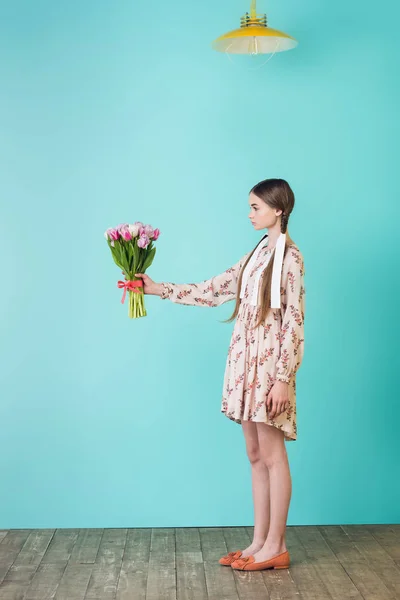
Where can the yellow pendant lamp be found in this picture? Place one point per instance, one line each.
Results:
(254, 37)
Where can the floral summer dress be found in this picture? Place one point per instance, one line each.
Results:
(256, 358)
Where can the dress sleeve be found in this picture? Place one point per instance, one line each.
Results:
(292, 313)
(211, 292)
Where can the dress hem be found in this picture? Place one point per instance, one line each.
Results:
(288, 437)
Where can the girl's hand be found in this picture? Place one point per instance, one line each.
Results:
(278, 399)
(150, 286)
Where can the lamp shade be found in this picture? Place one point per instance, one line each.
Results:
(254, 37)
(254, 40)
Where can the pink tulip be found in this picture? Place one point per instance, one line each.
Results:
(143, 241)
(149, 230)
(113, 233)
(156, 234)
(125, 233)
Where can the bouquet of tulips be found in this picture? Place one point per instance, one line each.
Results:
(132, 250)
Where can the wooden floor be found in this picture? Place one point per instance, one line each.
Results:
(182, 564)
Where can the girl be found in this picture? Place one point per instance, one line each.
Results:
(266, 350)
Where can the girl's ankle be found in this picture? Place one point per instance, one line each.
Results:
(258, 543)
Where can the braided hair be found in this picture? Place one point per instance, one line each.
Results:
(284, 222)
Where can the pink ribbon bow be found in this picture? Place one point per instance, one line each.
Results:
(132, 286)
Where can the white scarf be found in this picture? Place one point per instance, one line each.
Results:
(276, 272)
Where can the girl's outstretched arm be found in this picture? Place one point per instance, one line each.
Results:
(210, 292)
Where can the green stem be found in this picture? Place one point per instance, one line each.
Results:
(136, 305)
(130, 305)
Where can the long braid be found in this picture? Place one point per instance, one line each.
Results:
(284, 222)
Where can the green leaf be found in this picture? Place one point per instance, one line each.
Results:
(129, 255)
(149, 259)
(116, 261)
(115, 255)
(120, 251)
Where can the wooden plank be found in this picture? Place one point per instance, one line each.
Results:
(220, 580)
(60, 547)
(280, 585)
(112, 547)
(377, 557)
(190, 576)
(187, 539)
(45, 581)
(10, 547)
(303, 571)
(132, 584)
(250, 531)
(53, 563)
(137, 548)
(368, 583)
(74, 582)
(13, 590)
(22, 574)
(103, 582)
(86, 546)
(161, 580)
(26, 563)
(388, 537)
(133, 576)
(326, 564)
(213, 544)
(135, 565)
(14, 540)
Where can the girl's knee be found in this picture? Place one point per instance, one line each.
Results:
(253, 453)
(273, 459)
(271, 445)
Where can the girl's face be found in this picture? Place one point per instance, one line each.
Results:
(261, 215)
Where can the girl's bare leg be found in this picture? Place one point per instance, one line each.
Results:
(274, 457)
(260, 487)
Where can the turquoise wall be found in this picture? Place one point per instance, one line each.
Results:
(112, 112)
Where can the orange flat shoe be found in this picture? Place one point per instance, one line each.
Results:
(281, 561)
(229, 558)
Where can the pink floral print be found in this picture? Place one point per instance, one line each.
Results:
(257, 358)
